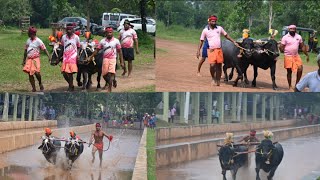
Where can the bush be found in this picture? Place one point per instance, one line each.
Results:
(145, 39)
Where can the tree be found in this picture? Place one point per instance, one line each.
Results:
(11, 11)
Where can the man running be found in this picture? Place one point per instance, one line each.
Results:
(31, 59)
(215, 54)
(97, 136)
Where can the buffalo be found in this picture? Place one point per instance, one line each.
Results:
(50, 149)
(268, 157)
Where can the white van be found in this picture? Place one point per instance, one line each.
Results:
(113, 19)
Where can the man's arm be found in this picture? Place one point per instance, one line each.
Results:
(121, 57)
(282, 46)
(199, 48)
(91, 139)
(136, 45)
(24, 57)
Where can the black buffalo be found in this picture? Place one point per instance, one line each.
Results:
(73, 150)
(230, 52)
(50, 149)
(57, 54)
(263, 56)
(268, 157)
(232, 159)
(88, 68)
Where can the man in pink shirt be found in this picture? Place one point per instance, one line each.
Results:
(71, 44)
(31, 59)
(127, 36)
(215, 54)
(290, 44)
(111, 47)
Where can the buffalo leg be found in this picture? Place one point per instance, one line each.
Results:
(89, 81)
(245, 77)
(272, 171)
(224, 174)
(234, 173)
(239, 71)
(257, 172)
(79, 77)
(231, 74)
(273, 76)
(98, 79)
(225, 73)
(85, 80)
(255, 74)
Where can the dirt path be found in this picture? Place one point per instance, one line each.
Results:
(142, 76)
(176, 67)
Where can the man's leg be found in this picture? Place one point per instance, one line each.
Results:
(32, 82)
(110, 81)
(299, 74)
(100, 157)
(71, 87)
(94, 150)
(38, 76)
(289, 76)
(212, 72)
(200, 64)
(124, 69)
(218, 73)
(129, 67)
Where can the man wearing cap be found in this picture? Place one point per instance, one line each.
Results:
(97, 136)
(71, 43)
(111, 47)
(31, 59)
(290, 44)
(311, 80)
(127, 36)
(215, 54)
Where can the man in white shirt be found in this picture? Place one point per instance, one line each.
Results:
(310, 80)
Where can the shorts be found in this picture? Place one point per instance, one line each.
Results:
(108, 66)
(205, 49)
(128, 54)
(215, 56)
(32, 66)
(97, 147)
(292, 62)
(69, 67)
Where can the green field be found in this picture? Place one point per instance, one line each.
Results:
(151, 154)
(190, 35)
(12, 49)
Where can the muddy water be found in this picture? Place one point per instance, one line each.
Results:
(300, 162)
(30, 164)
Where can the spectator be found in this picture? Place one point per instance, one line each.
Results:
(173, 112)
(217, 116)
(213, 115)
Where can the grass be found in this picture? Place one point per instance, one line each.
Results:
(151, 157)
(150, 88)
(12, 49)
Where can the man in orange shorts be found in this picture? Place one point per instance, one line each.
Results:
(215, 55)
(97, 136)
(111, 47)
(290, 44)
(31, 59)
(71, 44)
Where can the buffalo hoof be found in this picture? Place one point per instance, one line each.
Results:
(253, 85)
(80, 84)
(225, 80)
(235, 84)
(246, 81)
(98, 89)
(230, 77)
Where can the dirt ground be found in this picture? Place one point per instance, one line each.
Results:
(176, 71)
(142, 76)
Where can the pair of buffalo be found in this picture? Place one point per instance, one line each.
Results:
(268, 156)
(50, 148)
(260, 54)
(86, 68)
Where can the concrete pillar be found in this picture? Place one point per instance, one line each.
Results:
(15, 107)
(196, 107)
(277, 107)
(244, 107)
(263, 108)
(239, 104)
(271, 108)
(30, 108)
(234, 106)
(165, 99)
(220, 107)
(36, 108)
(182, 105)
(5, 107)
(254, 107)
(209, 108)
(23, 106)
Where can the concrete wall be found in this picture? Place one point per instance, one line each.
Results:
(16, 141)
(203, 130)
(14, 125)
(183, 152)
(140, 167)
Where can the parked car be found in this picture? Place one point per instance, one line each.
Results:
(136, 23)
(113, 19)
(81, 25)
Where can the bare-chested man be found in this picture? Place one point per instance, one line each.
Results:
(97, 136)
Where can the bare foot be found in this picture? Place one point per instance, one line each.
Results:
(213, 83)
(124, 73)
(198, 74)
